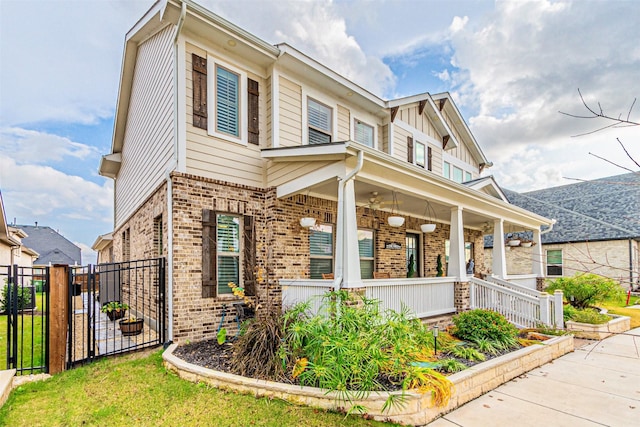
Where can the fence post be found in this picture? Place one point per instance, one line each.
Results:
(58, 317)
(558, 298)
(545, 312)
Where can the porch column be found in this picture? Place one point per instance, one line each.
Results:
(347, 251)
(499, 265)
(457, 263)
(536, 254)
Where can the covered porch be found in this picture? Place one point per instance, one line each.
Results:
(351, 191)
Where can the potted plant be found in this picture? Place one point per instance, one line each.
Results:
(131, 326)
(114, 309)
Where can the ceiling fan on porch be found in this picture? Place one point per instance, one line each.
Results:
(376, 201)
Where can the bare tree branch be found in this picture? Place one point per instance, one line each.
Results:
(627, 153)
(609, 161)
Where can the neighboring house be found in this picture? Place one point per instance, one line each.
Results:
(12, 250)
(52, 247)
(223, 142)
(597, 229)
(104, 247)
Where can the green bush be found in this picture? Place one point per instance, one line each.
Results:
(477, 325)
(584, 315)
(24, 298)
(586, 289)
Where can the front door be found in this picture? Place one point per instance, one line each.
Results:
(412, 245)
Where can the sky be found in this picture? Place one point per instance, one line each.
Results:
(510, 66)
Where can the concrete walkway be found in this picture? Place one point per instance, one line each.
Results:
(596, 385)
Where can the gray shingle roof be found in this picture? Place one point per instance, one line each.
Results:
(52, 246)
(602, 209)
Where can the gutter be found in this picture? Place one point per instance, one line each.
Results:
(337, 283)
(176, 123)
(553, 221)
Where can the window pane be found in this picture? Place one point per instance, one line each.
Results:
(317, 137)
(467, 176)
(366, 268)
(365, 243)
(321, 241)
(363, 133)
(457, 174)
(319, 266)
(554, 257)
(447, 170)
(554, 270)
(228, 271)
(228, 233)
(227, 91)
(319, 115)
(420, 161)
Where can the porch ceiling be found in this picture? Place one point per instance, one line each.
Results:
(413, 186)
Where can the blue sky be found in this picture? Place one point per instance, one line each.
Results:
(509, 65)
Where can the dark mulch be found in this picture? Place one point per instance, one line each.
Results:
(208, 354)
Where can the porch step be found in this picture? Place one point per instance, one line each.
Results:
(6, 381)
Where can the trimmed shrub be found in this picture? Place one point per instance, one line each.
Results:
(477, 325)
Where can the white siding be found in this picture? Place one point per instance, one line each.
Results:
(149, 136)
(290, 113)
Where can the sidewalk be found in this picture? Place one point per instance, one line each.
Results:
(596, 385)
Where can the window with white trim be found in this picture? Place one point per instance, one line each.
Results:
(320, 250)
(554, 262)
(367, 253)
(363, 133)
(228, 251)
(467, 176)
(446, 170)
(319, 118)
(420, 154)
(227, 101)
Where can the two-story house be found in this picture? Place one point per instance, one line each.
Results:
(223, 143)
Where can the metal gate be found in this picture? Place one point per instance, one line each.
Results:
(115, 308)
(24, 301)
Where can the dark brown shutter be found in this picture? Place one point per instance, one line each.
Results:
(209, 255)
(409, 149)
(429, 155)
(199, 91)
(253, 111)
(249, 270)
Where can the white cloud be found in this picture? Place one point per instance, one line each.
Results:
(89, 256)
(31, 146)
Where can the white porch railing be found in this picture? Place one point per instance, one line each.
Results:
(526, 280)
(513, 286)
(523, 307)
(422, 296)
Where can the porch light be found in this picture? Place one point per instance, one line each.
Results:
(395, 220)
(428, 227)
(307, 221)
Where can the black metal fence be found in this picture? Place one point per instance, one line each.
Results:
(115, 308)
(24, 306)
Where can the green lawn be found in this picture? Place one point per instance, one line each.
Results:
(618, 306)
(136, 390)
(32, 329)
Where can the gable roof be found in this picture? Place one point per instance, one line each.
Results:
(602, 209)
(52, 246)
(488, 185)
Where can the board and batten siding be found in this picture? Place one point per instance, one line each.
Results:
(290, 113)
(149, 136)
(215, 158)
(461, 152)
(418, 121)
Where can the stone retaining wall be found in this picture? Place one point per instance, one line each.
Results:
(418, 410)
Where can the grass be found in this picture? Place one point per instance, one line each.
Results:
(31, 327)
(136, 390)
(618, 306)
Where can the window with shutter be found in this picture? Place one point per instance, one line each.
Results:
(228, 252)
(227, 101)
(209, 258)
(321, 250)
(363, 133)
(319, 119)
(199, 76)
(420, 154)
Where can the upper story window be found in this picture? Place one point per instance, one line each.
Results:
(227, 101)
(420, 154)
(363, 133)
(456, 173)
(320, 122)
(554, 262)
(467, 176)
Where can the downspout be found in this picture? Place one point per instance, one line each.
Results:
(553, 221)
(176, 134)
(337, 284)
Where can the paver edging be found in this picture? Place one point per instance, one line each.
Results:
(419, 410)
(599, 332)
